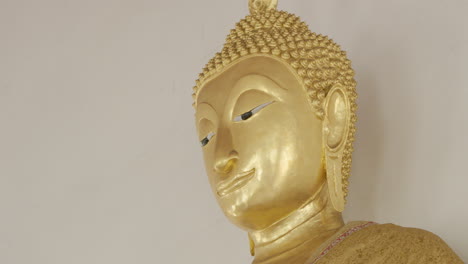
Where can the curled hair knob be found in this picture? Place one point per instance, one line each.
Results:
(262, 5)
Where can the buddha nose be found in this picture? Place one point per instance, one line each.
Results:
(224, 165)
(225, 155)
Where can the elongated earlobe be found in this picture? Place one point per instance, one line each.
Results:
(335, 131)
(252, 247)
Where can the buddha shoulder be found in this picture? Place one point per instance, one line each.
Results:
(388, 243)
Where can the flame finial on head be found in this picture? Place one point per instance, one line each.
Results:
(262, 5)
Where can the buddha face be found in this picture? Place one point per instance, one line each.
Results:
(261, 141)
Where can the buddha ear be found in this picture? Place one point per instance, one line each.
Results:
(335, 135)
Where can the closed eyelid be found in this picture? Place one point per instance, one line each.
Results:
(207, 139)
(253, 111)
(260, 107)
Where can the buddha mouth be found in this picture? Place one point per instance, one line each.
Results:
(231, 184)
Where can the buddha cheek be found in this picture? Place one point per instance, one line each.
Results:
(274, 155)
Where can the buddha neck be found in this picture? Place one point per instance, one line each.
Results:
(295, 237)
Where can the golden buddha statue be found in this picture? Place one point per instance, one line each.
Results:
(275, 114)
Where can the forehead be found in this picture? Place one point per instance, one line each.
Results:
(221, 86)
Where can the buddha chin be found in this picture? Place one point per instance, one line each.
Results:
(255, 205)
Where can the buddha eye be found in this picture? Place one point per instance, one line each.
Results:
(250, 113)
(207, 139)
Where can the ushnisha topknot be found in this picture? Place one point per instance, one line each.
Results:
(316, 59)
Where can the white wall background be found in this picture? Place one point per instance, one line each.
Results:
(99, 161)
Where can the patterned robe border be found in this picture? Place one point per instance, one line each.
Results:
(341, 238)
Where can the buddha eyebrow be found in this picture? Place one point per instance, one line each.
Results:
(201, 110)
(272, 80)
(204, 103)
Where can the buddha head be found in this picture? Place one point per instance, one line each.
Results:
(275, 115)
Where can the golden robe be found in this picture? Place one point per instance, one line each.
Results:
(368, 242)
